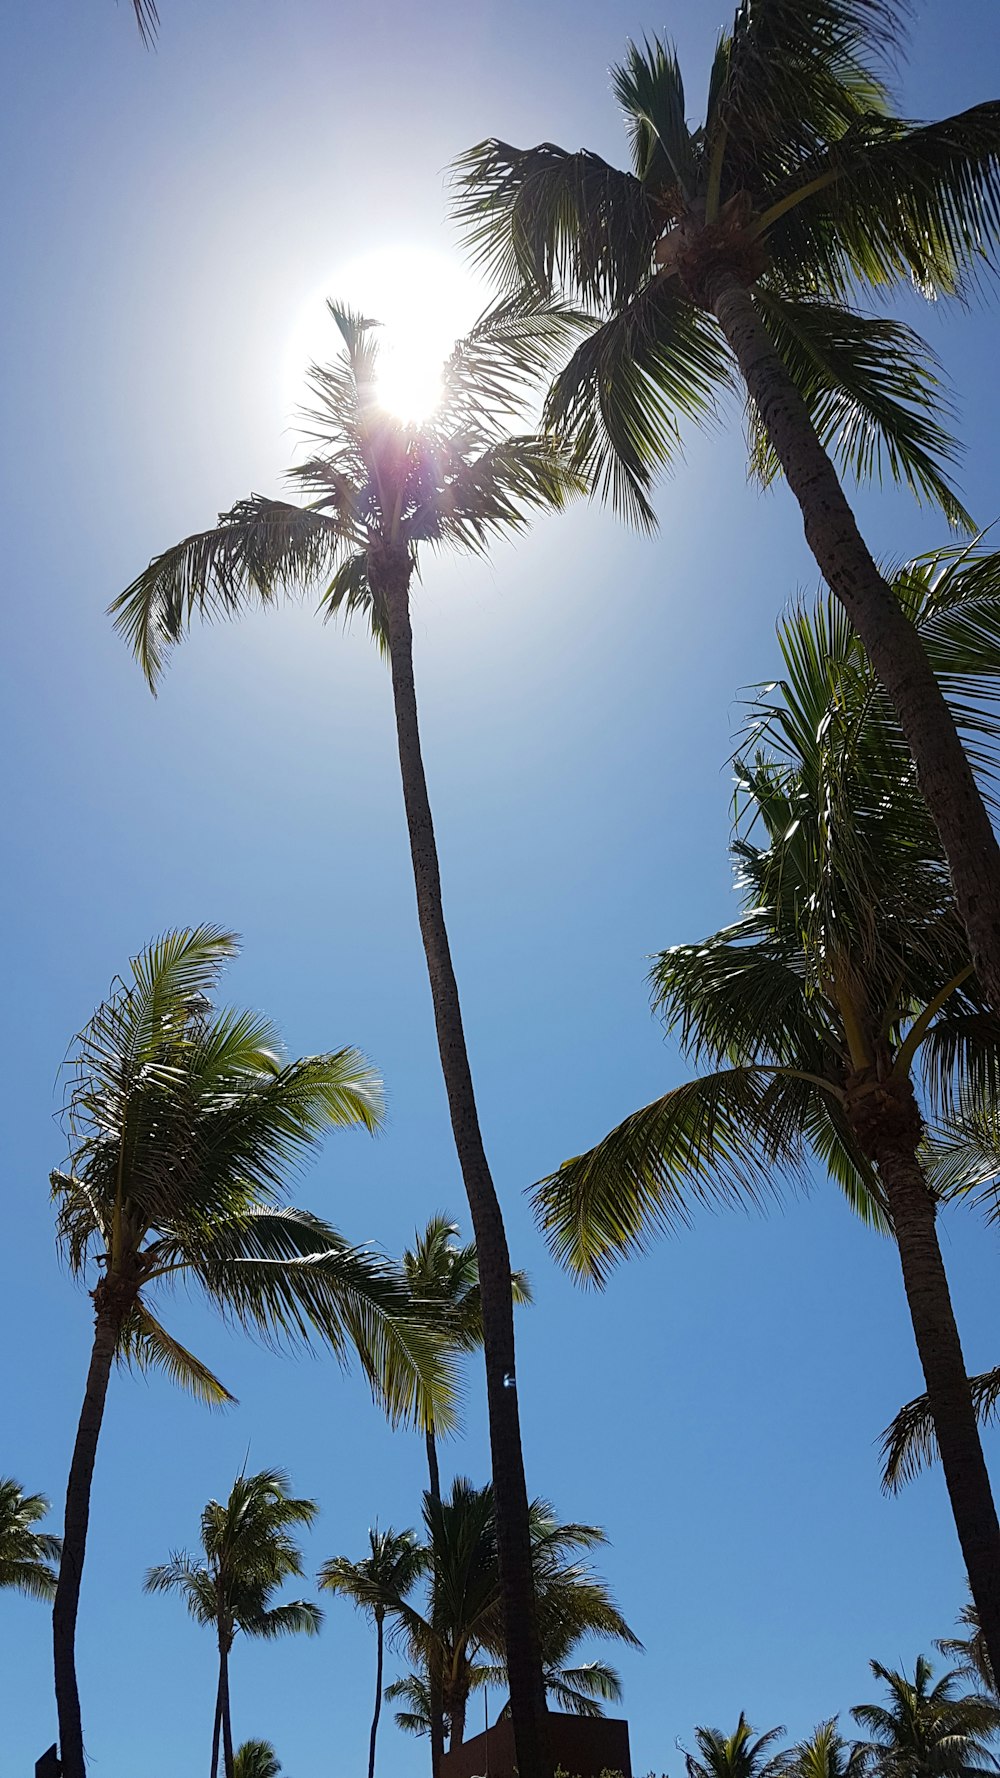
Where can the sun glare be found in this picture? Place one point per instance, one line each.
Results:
(424, 301)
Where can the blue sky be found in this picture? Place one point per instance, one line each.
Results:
(168, 220)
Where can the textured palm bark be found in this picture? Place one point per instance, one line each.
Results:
(227, 1720)
(892, 642)
(81, 1474)
(217, 1725)
(458, 1723)
(887, 1122)
(379, 1664)
(391, 578)
(433, 1681)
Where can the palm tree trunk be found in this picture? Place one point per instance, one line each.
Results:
(217, 1725)
(888, 1124)
(81, 1474)
(379, 1659)
(224, 1710)
(392, 573)
(892, 642)
(435, 1697)
(457, 1724)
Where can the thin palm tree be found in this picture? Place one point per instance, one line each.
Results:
(184, 1123)
(462, 1620)
(249, 1550)
(387, 1574)
(256, 1759)
(381, 492)
(844, 989)
(926, 1730)
(738, 1755)
(736, 253)
(29, 1558)
(443, 1273)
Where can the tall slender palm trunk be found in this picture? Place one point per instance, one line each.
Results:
(892, 642)
(217, 1726)
(435, 1698)
(81, 1474)
(225, 1712)
(392, 572)
(379, 1664)
(887, 1122)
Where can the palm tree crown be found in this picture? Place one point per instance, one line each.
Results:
(256, 1759)
(786, 183)
(28, 1558)
(391, 1569)
(738, 1755)
(927, 1729)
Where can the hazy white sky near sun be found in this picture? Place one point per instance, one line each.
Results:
(173, 224)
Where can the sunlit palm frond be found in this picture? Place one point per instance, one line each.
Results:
(494, 494)
(873, 390)
(260, 550)
(729, 1137)
(29, 1558)
(491, 380)
(146, 1345)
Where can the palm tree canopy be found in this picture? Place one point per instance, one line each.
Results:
(970, 1654)
(395, 1563)
(443, 1269)
(28, 1558)
(803, 183)
(738, 1755)
(249, 1550)
(927, 1729)
(825, 1754)
(256, 1759)
(849, 945)
(373, 484)
(185, 1123)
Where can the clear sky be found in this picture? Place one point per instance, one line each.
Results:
(170, 223)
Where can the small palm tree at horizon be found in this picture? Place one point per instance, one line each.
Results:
(379, 494)
(738, 1755)
(737, 252)
(925, 1730)
(387, 1574)
(844, 987)
(256, 1759)
(825, 1754)
(184, 1123)
(249, 1552)
(461, 1621)
(29, 1559)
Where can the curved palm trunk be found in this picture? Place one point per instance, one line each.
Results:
(393, 574)
(433, 1680)
(379, 1660)
(888, 1124)
(224, 1712)
(892, 642)
(81, 1474)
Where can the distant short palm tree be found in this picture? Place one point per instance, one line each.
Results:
(249, 1551)
(379, 495)
(443, 1272)
(970, 1653)
(928, 1729)
(28, 1558)
(825, 1754)
(375, 1584)
(184, 1123)
(256, 1759)
(739, 1755)
(737, 251)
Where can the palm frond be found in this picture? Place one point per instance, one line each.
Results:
(148, 20)
(650, 90)
(728, 1137)
(909, 1443)
(146, 1345)
(491, 379)
(494, 494)
(873, 390)
(260, 550)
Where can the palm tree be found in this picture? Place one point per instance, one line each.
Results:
(184, 1123)
(256, 1759)
(444, 1273)
(249, 1552)
(389, 1573)
(379, 492)
(825, 1754)
(925, 1730)
(27, 1556)
(462, 1618)
(737, 1755)
(811, 1015)
(738, 250)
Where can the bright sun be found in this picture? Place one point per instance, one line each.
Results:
(424, 300)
